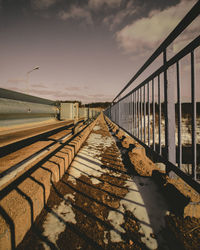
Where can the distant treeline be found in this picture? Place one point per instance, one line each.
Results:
(103, 105)
(186, 108)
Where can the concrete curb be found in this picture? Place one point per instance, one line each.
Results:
(137, 153)
(20, 207)
(180, 203)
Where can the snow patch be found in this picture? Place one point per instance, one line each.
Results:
(88, 161)
(116, 219)
(96, 128)
(147, 205)
(54, 224)
(115, 237)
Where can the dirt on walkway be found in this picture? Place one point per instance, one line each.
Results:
(101, 203)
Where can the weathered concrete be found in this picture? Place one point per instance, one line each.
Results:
(103, 201)
(98, 204)
(20, 206)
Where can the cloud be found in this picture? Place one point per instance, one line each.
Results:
(76, 12)
(113, 20)
(40, 85)
(97, 4)
(145, 34)
(11, 81)
(73, 88)
(63, 94)
(84, 97)
(42, 4)
(45, 92)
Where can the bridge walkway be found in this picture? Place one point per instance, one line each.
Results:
(101, 203)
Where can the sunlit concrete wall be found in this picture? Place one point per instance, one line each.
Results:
(69, 111)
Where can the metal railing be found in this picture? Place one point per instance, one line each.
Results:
(149, 112)
(18, 109)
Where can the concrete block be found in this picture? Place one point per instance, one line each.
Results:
(21, 206)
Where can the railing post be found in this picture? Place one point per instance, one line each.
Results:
(170, 146)
(193, 100)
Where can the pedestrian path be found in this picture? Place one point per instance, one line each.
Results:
(99, 205)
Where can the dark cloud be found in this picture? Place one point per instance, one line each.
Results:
(43, 4)
(58, 36)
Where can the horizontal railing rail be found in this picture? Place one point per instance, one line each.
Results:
(155, 114)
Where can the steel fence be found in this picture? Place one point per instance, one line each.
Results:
(150, 113)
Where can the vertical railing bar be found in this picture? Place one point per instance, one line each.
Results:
(129, 113)
(179, 115)
(118, 113)
(115, 112)
(148, 114)
(153, 109)
(159, 116)
(135, 113)
(132, 113)
(127, 117)
(193, 97)
(126, 111)
(170, 126)
(141, 114)
(138, 113)
(129, 105)
(165, 109)
(144, 115)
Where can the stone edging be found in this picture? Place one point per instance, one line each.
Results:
(181, 203)
(20, 207)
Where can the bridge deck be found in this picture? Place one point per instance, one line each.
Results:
(101, 203)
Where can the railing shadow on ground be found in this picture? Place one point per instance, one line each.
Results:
(130, 171)
(72, 227)
(108, 225)
(10, 232)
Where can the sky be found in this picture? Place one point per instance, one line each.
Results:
(86, 50)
